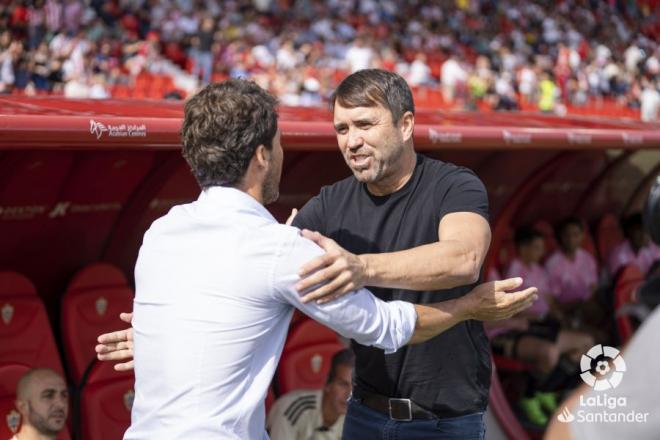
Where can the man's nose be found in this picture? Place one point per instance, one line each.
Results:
(61, 402)
(354, 140)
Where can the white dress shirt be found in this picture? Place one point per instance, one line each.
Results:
(214, 297)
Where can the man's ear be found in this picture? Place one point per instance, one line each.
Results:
(407, 125)
(262, 155)
(21, 406)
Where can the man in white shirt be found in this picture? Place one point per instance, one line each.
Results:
(315, 414)
(215, 284)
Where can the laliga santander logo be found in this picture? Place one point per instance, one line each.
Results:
(605, 358)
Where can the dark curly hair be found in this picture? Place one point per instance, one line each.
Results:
(222, 127)
(373, 87)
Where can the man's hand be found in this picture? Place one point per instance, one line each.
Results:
(117, 346)
(494, 300)
(337, 272)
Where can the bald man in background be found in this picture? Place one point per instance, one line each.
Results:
(42, 399)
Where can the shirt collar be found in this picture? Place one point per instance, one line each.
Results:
(233, 197)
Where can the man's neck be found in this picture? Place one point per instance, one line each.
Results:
(396, 181)
(29, 432)
(254, 190)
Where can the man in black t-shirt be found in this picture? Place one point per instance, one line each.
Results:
(413, 229)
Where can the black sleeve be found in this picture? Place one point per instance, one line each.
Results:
(311, 216)
(464, 192)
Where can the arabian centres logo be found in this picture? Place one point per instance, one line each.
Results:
(602, 368)
(99, 129)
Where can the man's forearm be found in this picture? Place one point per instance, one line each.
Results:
(433, 319)
(434, 266)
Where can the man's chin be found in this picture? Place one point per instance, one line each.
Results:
(364, 175)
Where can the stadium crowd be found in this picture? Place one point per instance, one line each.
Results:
(502, 54)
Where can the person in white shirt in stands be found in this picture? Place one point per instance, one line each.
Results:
(315, 414)
(215, 284)
(42, 399)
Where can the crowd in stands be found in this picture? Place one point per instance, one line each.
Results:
(574, 302)
(499, 54)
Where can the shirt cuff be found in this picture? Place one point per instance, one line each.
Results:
(404, 324)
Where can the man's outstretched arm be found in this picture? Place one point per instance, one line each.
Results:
(454, 260)
(487, 302)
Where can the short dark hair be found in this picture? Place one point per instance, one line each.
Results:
(342, 357)
(565, 223)
(373, 87)
(222, 127)
(525, 235)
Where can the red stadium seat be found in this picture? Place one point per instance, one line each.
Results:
(306, 357)
(504, 363)
(25, 333)
(627, 283)
(309, 332)
(91, 306)
(306, 367)
(106, 402)
(270, 398)
(10, 421)
(506, 252)
(588, 242)
(297, 318)
(120, 91)
(502, 410)
(608, 235)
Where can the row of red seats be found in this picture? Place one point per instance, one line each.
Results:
(147, 85)
(90, 306)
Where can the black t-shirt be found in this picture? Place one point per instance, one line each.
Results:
(449, 374)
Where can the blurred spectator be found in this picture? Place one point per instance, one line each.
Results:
(572, 271)
(537, 335)
(636, 249)
(530, 248)
(419, 73)
(200, 51)
(650, 101)
(547, 93)
(573, 278)
(42, 399)
(359, 55)
(315, 414)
